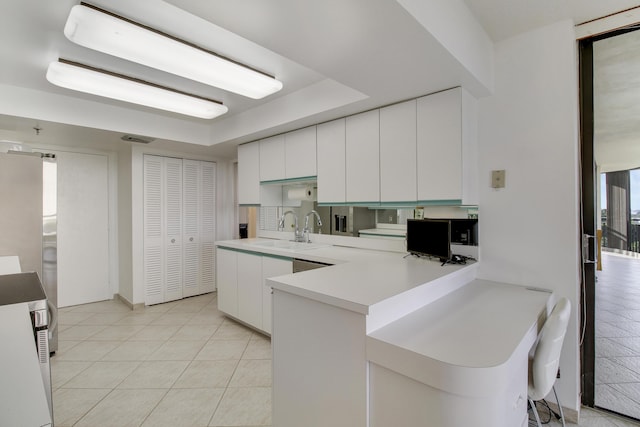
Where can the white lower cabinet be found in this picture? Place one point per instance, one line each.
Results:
(227, 281)
(242, 294)
(250, 289)
(271, 267)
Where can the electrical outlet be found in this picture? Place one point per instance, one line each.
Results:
(498, 178)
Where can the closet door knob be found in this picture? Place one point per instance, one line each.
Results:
(191, 239)
(173, 240)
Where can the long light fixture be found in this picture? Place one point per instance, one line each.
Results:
(101, 30)
(83, 78)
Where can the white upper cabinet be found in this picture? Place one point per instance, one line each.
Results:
(331, 162)
(446, 136)
(272, 162)
(398, 152)
(300, 153)
(249, 174)
(363, 157)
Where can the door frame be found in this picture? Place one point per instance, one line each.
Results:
(588, 211)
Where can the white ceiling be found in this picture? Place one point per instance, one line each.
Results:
(335, 57)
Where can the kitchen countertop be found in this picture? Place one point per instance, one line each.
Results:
(462, 336)
(383, 285)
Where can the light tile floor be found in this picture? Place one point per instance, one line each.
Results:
(617, 368)
(175, 364)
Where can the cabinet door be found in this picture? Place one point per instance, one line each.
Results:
(173, 227)
(162, 229)
(191, 227)
(331, 162)
(363, 157)
(272, 158)
(249, 174)
(153, 231)
(207, 227)
(271, 267)
(227, 281)
(250, 289)
(398, 153)
(300, 153)
(440, 146)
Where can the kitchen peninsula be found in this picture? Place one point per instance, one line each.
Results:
(378, 331)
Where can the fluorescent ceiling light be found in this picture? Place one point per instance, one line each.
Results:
(83, 78)
(106, 32)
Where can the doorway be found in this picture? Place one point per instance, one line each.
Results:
(610, 343)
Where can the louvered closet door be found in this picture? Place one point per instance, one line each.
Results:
(173, 227)
(153, 231)
(162, 229)
(208, 228)
(199, 208)
(191, 248)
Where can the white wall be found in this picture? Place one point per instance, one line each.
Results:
(529, 230)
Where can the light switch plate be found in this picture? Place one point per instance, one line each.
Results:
(498, 178)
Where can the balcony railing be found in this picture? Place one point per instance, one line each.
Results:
(632, 239)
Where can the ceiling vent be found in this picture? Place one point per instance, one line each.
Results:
(137, 138)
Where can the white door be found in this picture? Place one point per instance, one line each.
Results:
(83, 228)
(199, 208)
(208, 228)
(162, 229)
(191, 226)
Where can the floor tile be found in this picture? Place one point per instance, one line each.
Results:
(185, 408)
(135, 318)
(117, 333)
(258, 349)
(177, 350)
(102, 375)
(63, 370)
(207, 374)
(123, 408)
(133, 350)
(69, 405)
(155, 374)
(194, 333)
(244, 407)
(252, 373)
(107, 318)
(232, 331)
(155, 333)
(88, 350)
(222, 350)
(80, 332)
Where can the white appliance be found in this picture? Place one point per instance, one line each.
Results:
(26, 288)
(28, 220)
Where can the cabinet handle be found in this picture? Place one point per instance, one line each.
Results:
(173, 240)
(191, 239)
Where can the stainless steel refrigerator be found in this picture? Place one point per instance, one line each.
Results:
(28, 221)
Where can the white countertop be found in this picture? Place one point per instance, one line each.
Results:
(23, 401)
(478, 327)
(392, 232)
(325, 253)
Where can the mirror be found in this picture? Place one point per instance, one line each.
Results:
(352, 221)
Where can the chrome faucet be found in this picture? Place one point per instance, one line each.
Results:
(298, 235)
(306, 228)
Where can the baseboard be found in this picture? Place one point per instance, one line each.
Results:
(128, 303)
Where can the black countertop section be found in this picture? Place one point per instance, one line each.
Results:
(20, 287)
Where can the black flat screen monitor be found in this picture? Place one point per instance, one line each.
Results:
(429, 237)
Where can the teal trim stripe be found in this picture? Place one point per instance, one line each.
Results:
(452, 202)
(244, 251)
(290, 180)
(395, 236)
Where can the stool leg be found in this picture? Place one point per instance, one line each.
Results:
(535, 412)
(559, 405)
